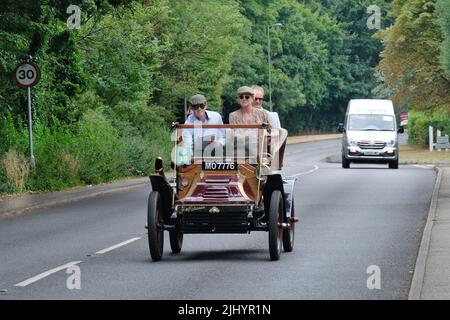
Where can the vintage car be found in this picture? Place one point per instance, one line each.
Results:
(230, 184)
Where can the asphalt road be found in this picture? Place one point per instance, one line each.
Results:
(349, 220)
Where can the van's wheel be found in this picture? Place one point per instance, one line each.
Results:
(155, 224)
(176, 239)
(345, 162)
(275, 220)
(289, 233)
(393, 164)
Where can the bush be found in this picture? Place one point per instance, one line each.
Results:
(145, 132)
(419, 122)
(16, 169)
(98, 148)
(4, 186)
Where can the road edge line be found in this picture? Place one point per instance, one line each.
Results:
(415, 290)
(18, 212)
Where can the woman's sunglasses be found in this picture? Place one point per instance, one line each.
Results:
(245, 97)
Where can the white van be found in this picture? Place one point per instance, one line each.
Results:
(370, 133)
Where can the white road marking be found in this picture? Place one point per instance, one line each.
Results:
(307, 172)
(46, 274)
(117, 246)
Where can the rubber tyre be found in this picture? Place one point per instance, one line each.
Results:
(289, 234)
(176, 239)
(393, 164)
(345, 162)
(275, 218)
(155, 222)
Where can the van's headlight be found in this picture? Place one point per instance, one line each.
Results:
(391, 143)
(353, 143)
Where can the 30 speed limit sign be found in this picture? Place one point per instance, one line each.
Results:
(27, 74)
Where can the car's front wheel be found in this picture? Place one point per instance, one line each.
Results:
(155, 225)
(345, 162)
(393, 164)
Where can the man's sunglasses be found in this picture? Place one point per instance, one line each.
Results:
(259, 99)
(245, 97)
(198, 106)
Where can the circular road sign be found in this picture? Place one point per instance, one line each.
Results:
(27, 74)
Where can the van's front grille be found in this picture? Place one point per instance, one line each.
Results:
(371, 144)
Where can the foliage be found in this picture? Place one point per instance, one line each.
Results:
(410, 60)
(443, 9)
(419, 121)
(110, 90)
(16, 169)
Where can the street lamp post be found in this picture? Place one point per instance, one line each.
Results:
(269, 61)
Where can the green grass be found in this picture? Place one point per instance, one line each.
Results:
(419, 155)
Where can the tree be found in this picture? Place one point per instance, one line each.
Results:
(443, 9)
(410, 59)
(38, 28)
(203, 37)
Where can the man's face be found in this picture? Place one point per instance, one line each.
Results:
(258, 99)
(200, 112)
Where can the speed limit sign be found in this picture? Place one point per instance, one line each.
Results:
(27, 74)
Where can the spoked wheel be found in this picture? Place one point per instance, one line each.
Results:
(176, 239)
(275, 221)
(155, 224)
(289, 233)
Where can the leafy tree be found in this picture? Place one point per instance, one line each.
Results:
(203, 37)
(443, 9)
(410, 60)
(309, 62)
(38, 28)
(121, 54)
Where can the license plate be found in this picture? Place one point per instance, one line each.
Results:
(220, 166)
(371, 153)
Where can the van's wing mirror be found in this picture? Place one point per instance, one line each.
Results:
(341, 127)
(401, 130)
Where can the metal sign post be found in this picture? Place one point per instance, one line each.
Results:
(27, 75)
(30, 131)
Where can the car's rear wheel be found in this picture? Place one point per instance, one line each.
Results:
(275, 229)
(155, 225)
(289, 233)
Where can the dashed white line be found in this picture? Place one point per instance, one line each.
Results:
(117, 245)
(46, 274)
(307, 172)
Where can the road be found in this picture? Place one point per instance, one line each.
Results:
(349, 220)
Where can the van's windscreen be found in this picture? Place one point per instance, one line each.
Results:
(371, 122)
